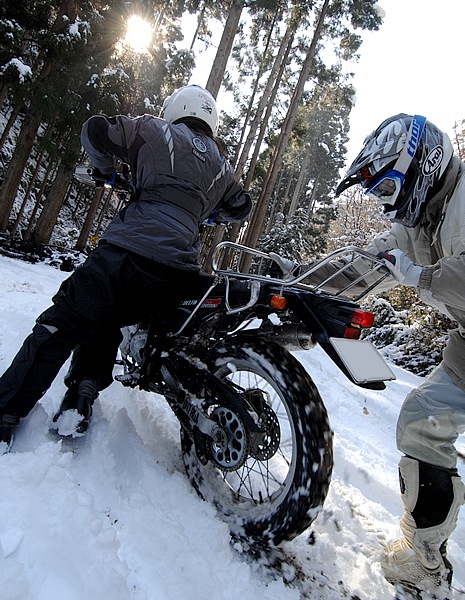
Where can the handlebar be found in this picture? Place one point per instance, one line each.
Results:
(91, 176)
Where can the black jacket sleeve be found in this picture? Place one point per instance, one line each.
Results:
(236, 208)
(102, 148)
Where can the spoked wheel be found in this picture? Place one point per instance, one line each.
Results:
(270, 488)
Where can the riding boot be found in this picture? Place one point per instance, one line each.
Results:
(74, 414)
(432, 497)
(8, 425)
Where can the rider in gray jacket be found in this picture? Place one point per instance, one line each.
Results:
(149, 254)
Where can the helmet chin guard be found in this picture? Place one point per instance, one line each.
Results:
(400, 165)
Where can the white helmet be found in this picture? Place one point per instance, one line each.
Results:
(191, 101)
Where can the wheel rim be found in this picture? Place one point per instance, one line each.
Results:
(261, 483)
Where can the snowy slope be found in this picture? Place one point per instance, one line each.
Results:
(113, 516)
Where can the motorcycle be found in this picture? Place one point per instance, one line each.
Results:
(255, 435)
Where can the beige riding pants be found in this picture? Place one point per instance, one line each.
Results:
(431, 419)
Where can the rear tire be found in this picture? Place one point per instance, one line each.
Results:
(277, 493)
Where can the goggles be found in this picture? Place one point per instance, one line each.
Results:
(387, 188)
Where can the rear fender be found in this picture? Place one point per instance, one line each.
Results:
(327, 317)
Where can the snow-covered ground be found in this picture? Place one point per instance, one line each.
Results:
(113, 516)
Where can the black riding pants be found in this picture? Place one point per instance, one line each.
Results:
(113, 288)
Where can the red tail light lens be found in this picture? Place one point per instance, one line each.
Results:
(353, 333)
(363, 318)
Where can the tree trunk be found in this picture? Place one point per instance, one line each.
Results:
(275, 76)
(234, 233)
(264, 123)
(261, 69)
(51, 209)
(311, 203)
(224, 49)
(103, 212)
(214, 241)
(233, 230)
(11, 119)
(276, 204)
(14, 173)
(31, 122)
(27, 194)
(258, 219)
(298, 188)
(27, 233)
(200, 18)
(3, 93)
(87, 226)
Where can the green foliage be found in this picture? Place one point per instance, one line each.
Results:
(297, 239)
(409, 333)
(21, 25)
(362, 14)
(458, 139)
(358, 220)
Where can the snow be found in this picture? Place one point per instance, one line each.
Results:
(24, 71)
(112, 514)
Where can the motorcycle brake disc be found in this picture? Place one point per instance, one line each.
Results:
(267, 441)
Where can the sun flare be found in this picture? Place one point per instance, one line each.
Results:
(139, 34)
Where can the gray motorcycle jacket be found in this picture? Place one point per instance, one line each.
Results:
(180, 178)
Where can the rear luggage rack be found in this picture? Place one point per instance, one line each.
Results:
(229, 259)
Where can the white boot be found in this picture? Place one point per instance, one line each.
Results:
(432, 497)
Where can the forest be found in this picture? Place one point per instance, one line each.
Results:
(285, 68)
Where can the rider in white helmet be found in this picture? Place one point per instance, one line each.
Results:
(407, 165)
(149, 253)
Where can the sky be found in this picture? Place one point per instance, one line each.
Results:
(412, 64)
(112, 515)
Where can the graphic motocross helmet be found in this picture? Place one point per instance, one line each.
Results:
(191, 101)
(400, 165)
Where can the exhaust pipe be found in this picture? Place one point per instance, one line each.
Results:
(292, 337)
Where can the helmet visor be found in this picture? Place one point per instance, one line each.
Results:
(387, 188)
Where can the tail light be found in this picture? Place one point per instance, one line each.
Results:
(364, 318)
(361, 319)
